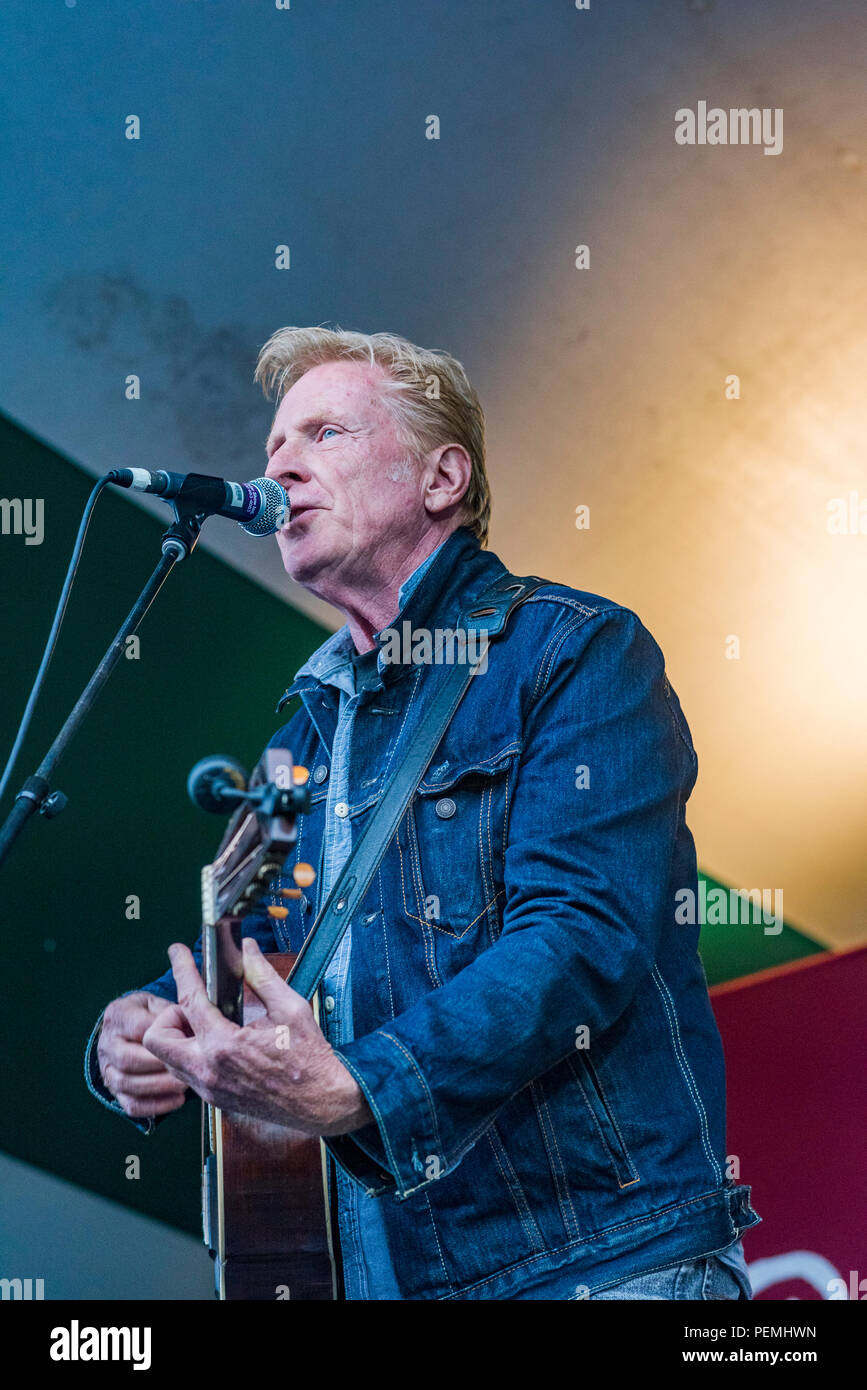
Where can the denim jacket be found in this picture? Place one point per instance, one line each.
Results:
(532, 1029)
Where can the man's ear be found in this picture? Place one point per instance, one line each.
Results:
(447, 471)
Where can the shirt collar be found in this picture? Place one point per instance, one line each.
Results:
(329, 663)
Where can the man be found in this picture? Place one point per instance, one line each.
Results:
(520, 1079)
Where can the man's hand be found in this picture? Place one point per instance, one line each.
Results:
(279, 1068)
(141, 1083)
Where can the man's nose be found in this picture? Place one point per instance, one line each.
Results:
(285, 469)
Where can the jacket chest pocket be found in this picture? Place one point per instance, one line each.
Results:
(452, 845)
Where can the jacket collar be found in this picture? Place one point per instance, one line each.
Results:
(459, 570)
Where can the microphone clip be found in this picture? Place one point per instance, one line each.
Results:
(192, 505)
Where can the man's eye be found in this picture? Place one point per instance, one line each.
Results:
(326, 431)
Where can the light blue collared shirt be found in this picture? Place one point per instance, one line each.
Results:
(368, 1272)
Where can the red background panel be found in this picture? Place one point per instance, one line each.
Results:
(796, 1055)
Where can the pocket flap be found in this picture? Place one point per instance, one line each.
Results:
(448, 771)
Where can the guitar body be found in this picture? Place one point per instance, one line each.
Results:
(271, 1187)
(265, 1208)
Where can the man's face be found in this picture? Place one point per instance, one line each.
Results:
(353, 490)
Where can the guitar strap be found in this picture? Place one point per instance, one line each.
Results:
(488, 617)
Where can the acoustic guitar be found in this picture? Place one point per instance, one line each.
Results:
(265, 1204)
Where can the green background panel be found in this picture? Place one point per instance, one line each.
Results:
(734, 949)
(217, 651)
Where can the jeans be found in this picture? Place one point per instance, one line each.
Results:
(723, 1275)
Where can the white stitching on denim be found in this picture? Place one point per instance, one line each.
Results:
(522, 1206)
(433, 1223)
(588, 1240)
(378, 1116)
(385, 943)
(505, 823)
(686, 1071)
(550, 654)
(415, 860)
(666, 695)
(487, 864)
(422, 1082)
(594, 1076)
(470, 1139)
(482, 766)
(396, 741)
(418, 886)
(612, 1158)
(538, 597)
(429, 943)
(561, 1185)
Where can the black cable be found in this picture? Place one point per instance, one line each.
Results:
(53, 634)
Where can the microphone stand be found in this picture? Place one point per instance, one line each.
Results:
(36, 795)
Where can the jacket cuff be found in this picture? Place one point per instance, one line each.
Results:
(402, 1151)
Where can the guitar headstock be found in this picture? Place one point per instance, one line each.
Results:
(249, 867)
(253, 850)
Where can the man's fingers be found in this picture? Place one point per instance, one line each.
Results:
(126, 1018)
(189, 983)
(172, 1019)
(133, 1059)
(139, 1109)
(164, 1086)
(264, 980)
(171, 1042)
(156, 1004)
(192, 995)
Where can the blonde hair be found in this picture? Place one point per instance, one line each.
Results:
(427, 391)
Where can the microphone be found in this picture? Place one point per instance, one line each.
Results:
(260, 507)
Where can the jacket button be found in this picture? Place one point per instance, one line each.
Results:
(341, 810)
(320, 773)
(329, 1003)
(445, 807)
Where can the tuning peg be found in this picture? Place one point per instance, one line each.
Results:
(304, 875)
